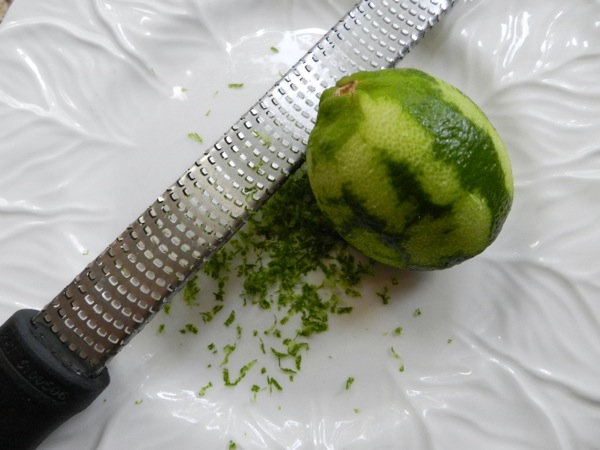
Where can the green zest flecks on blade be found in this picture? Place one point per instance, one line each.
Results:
(408, 169)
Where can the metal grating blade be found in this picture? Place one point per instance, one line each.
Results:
(128, 283)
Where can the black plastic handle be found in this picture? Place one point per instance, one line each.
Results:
(42, 384)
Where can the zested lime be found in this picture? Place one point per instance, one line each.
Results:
(408, 169)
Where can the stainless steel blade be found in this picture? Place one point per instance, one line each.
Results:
(127, 284)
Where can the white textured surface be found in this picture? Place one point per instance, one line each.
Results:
(94, 126)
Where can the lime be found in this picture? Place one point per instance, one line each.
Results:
(408, 169)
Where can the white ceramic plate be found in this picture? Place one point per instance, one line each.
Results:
(96, 101)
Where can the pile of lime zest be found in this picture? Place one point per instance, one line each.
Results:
(235, 85)
(292, 248)
(292, 264)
